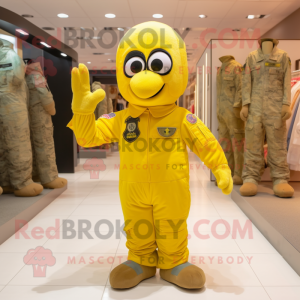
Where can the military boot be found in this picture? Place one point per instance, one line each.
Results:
(283, 190)
(237, 180)
(248, 189)
(30, 190)
(56, 183)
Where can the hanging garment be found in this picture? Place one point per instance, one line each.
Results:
(293, 118)
(293, 156)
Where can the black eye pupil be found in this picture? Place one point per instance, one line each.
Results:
(136, 67)
(156, 65)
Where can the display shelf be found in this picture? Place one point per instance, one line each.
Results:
(276, 218)
(22, 208)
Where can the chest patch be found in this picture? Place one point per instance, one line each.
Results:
(166, 131)
(132, 131)
(191, 118)
(6, 67)
(273, 65)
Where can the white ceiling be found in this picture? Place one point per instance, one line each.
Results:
(179, 14)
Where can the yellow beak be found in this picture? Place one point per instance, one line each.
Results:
(146, 84)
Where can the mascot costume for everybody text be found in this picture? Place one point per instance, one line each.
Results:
(153, 134)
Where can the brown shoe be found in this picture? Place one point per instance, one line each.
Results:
(56, 183)
(248, 189)
(1, 190)
(186, 275)
(237, 180)
(283, 190)
(30, 190)
(129, 274)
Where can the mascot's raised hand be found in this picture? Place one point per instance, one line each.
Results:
(84, 102)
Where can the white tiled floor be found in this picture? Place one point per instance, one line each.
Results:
(240, 268)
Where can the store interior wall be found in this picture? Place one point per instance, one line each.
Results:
(286, 29)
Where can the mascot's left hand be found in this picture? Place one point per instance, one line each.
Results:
(84, 102)
(224, 179)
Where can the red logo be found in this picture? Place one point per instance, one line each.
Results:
(94, 165)
(39, 258)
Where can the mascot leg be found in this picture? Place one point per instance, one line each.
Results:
(139, 228)
(171, 208)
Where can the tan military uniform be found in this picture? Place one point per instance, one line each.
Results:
(105, 106)
(266, 86)
(15, 147)
(231, 129)
(41, 126)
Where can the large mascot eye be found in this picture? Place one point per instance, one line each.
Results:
(134, 65)
(160, 62)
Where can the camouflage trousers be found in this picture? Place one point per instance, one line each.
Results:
(15, 146)
(41, 129)
(231, 138)
(274, 129)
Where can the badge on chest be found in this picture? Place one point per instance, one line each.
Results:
(166, 131)
(132, 131)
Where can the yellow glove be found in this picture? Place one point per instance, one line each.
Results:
(224, 179)
(84, 102)
(285, 112)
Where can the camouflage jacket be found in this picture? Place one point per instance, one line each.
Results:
(267, 77)
(39, 91)
(12, 69)
(229, 92)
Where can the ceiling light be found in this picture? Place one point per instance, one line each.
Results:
(45, 44)
(202, 16)
(27, 16)
(63, 54)
(98, 53)
(22, 31)
(121, 29)
(88, 62)
(157, 16)
(251, 17)
(110, 16)
(63, 16)
(96, 37)
(48, 28)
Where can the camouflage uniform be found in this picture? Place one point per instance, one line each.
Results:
(266, 86)
(41, 127)
(15, 147)
(231, 129)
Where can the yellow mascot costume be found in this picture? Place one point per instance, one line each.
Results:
(153, 133)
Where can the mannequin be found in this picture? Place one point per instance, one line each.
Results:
(267, 47)
(266, 106)
(16, 163)
(231, 128)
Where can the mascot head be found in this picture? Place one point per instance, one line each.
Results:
(151, 65)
